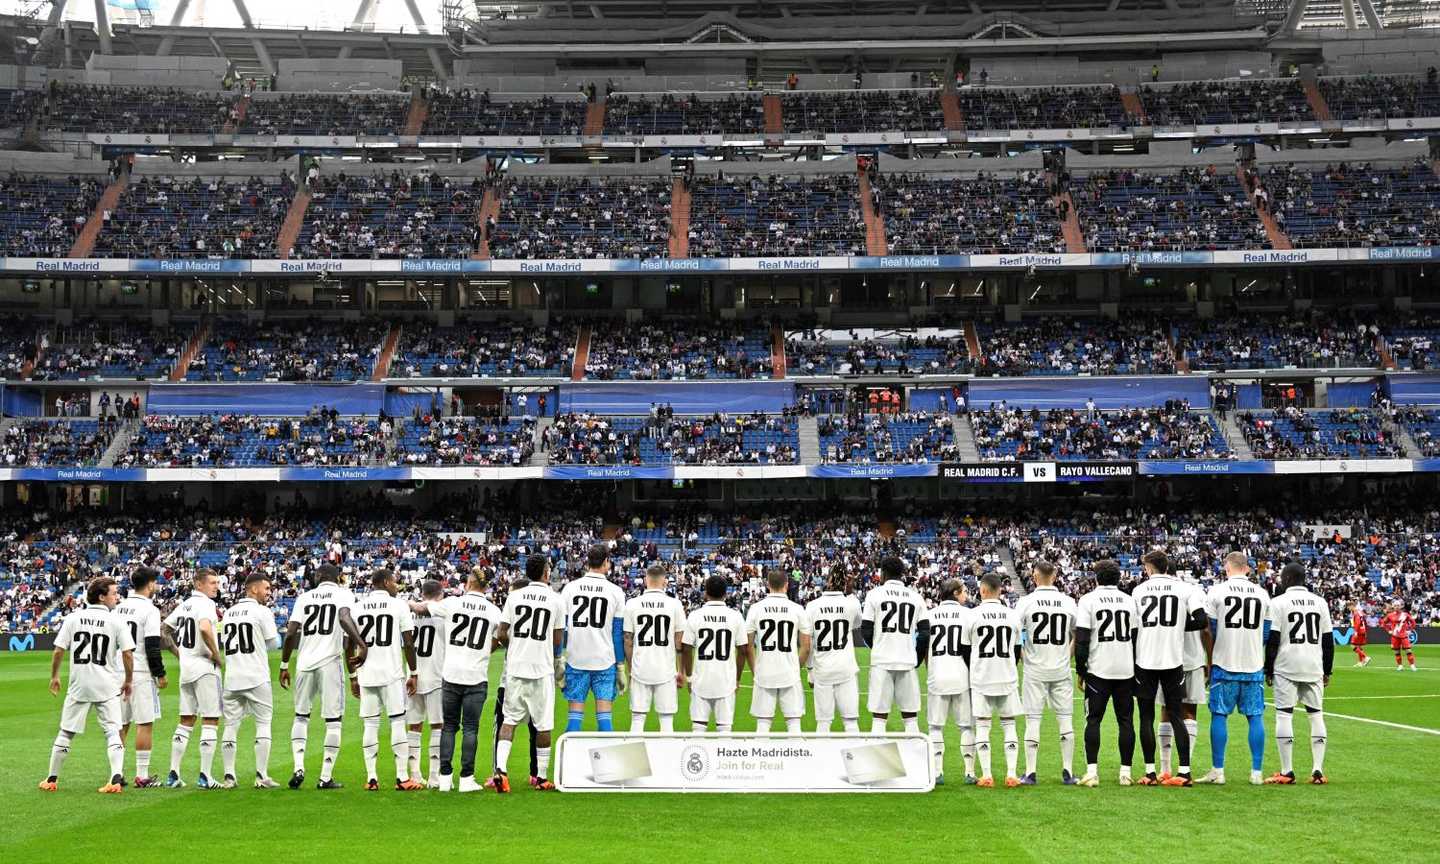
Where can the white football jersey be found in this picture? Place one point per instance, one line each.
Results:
(1110, 616)
(1165, 605)
(246, 636)
(994, 640)
(95, 639)
(429, 653)
(383, 621)
(834, 620)
(716, 631)
(1047, 620)
(1194, 641)
(317, 611)
(1239, 611)
(142, 619)
(592, 605)
(775, 626)
(897, 612)
(1302, 619)
(534, 614)
(653, 619)
(947, 674)
(195, 659)
(469, 624)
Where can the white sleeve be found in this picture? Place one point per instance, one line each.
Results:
(121, 634)
(752, 618)
(62, 637)
(628, 617)
(804, 624)
(1082, 614)
(407, 621)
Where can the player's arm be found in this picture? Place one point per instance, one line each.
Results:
(352, 632)
(1082, 651)
(1272, 650)
(167, 638)
(207, 635)
(1327, 654)
(922, 643)
(680, 674)
(410, 683)
(57, 655)
(292, 641)
(127, 659)
(155, 659)
(804, 648)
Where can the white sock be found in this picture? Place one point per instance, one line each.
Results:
(178, 743)
(1092, 769)
(142, 763)
(1032, 743)
(502, 755)
(400, 747)
(912, 724)
(1167, 742)
(370, 745)
(1124, 770)
(967, 749)
(1193, 727)
(851, 725)
(542, 756)
(208, 737)
(1317, 741)
(982, 745)
(58, 752)
(228, 742)
(332, 749)
(1067, 742)
(262, 755)
(792, 725)
(115, 749)
(637, 721)
(667, 722)
(1285, 740)
(1012, 745)
(434, 752)
(937, 747)
(298, 732)
(412, 768)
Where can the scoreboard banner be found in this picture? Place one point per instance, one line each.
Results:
(1040, 472)
(753, 762)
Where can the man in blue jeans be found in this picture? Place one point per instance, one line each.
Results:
(594, 640)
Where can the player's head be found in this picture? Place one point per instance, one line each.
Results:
(1044, 573)
(1156, 562)
(656, 576)
(1107, 572)
(1237, 564)
(990, 586)
(777, 579)
(839, 581)
(206, 582)
(598, 559)
(477, 579)
(892, 568)
(952, 589)
(537, 568)
(716, 587)
(257, 587)
(1292, 575)
(144, 581)
(431, 589)
(384, 580)
(327, 573)
(102, 591)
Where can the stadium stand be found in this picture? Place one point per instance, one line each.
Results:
(60, 443)
(1373, 97)
(864, 111)
(394, 215)
(288, 351)
(1293, 433)
(132, 110)
(1355, 204)
(484, 351)
(775, 215)
(589, 439)
(174, 217)
(471, 112)
(466, 441)
(1172, 432)
(679, 114)
(924, 351)
(676, 350)
(108, 348)
(583, 218)
(1258, 341)
(41, 216)
(320, 438)
(1193, 208)
(1041, 107)
(1051, 345)
(1207, 103)
(985, 214)
(888, 438)
(325, 114)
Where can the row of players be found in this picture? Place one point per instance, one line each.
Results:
(426, 661)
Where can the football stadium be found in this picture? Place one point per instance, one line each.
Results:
(929, 426)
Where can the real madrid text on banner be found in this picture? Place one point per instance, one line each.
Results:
(715, 762)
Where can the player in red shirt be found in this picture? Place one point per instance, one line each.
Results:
(1357, 635)
(1399, 623)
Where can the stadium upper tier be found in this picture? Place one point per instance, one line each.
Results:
(318, 350)
(90, 109)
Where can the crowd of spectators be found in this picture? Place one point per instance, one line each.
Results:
(927, 351)
(395, 215)
(865, 111)
(1208, 103)
(1171, 431)
(65, 443)
(288, 351)
(42, 216)
(1053, 345)
(326, 114)
(579, 217)
(1376, 97)
(136, 110)
(663, 438)
(678, 114)
(466, 441)
(985, 214)
(1041, 107)
(473, 112)
(1357, 204)
(1257, 341)
(320, 438)
(1194, 208)
(672, 350)
(107, 348)
(486, 351)
(775, 215)
(888, 438)
(194, 217)
(1341, 433)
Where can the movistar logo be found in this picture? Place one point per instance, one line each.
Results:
(22, 643)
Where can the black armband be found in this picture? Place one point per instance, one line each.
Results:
(1272, 650)
(922, 647)
(867, 632)
(1327, 653)
(1082, 650)
(154, 657)
(1198, 621)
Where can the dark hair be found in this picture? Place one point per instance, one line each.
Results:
(950, 587)
(142, 577)
(597, 556)
(1158, 559)
(892, 568)
(776, 578)
(839, 580)
(256, 577)
(716, 587)
(536, 566)
(97, 588)
(1292, 574)
(431, 588)
(380, 577)
(1046, 569)
(992, 581)
(1107, 572)
(327, 573)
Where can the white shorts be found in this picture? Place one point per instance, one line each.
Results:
(1288, 694)
(326, 682)
(722, 708)
(663, 697)
(899, 688)
(201, 697)
(386, 699)
(143, 706)
(532, 700)
(257, 701)
(1058, 696)
(833, 700)
(425, 708)
(985, 707)
(72, 716)
(1194, 686)
(955, 707)
(790, 699)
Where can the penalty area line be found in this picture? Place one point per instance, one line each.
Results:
(1387, 723)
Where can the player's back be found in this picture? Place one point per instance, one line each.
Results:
(896, 611)
(142, 619)
(1194, 655)
(775, 625)
(592, 606)
(534, 614)
(833, 618)
(195, 659)
(652, 619)
(470, 621)
(717, 632)
(947, 673)
(246, 635)
(1239, 611)
(317, 611)
(1302, 619)
(95, 640)
(383, 621)
(1110, 616)
(994, 640)
(1165, 605)
(429, 652)
(1047, 620)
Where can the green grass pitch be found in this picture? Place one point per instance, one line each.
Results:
(1383, 781)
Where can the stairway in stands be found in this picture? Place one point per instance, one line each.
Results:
(541, 457)
(774, 116)
(294, 221)
(778, 364)
(1134, 108)
(387, 353)
(416, 116)
(489, 209)
(809, 441)
(679, 219)
(594, 120)
(875, 242)
(120, 444)
(242, 107)
(192, 348)
(1317, 101)
(950, 106)
(85, 243)
(1070, 227)
(582, 354)
(1234, 437)
(965, 439)
(1273, 231)
(972, 341)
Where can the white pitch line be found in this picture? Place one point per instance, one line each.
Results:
(1401, 696)
(1420, 729)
